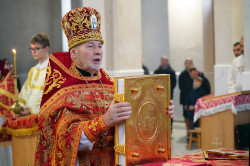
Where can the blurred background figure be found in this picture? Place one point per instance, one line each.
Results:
(184, 79)
(193, 95)
(146, 71)
(193, 72)
(32, 90)
(234, 83)
(165, 68)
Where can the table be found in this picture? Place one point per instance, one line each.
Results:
(198, 159)
(22, 132)
(219, 116)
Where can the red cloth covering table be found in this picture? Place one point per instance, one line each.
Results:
(198, 159)
(22, 132)
(21, 126)
(219, 117)
(208, 105)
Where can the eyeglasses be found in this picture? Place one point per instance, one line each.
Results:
(35, 49)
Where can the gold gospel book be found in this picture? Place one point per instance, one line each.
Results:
(146, 136)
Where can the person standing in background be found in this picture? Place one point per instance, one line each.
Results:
(193, 95)
(145, 69)
(234, 83)
(193, 72)
(31, 93)
(165, 68)
(237, 49)
(184, 78)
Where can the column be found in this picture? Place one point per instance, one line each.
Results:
(246, 73)
(123, 38)
(155, 33)
(65, 7)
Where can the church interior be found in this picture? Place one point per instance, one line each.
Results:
(203, 31)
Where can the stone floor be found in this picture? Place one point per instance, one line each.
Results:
(179, 143)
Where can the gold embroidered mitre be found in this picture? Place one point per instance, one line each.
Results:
(81, 25)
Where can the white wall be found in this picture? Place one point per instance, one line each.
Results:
(155, 32)
(20, 20)
(185, 32)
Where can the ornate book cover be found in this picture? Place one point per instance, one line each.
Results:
(226, 154)
(146, 136)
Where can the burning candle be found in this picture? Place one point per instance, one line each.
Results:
(14, 52)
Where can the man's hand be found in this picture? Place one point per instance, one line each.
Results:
(24, 112)
(117, 113)
(170, 109)
(185, 107)
(191, 107)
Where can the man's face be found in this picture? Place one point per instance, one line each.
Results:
(164, 62)
(88, 56)
(193, 74)
(237, 50)
(188, 64)
(38, 51)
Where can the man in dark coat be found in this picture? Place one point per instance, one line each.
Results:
(165, 68)
(184, 84)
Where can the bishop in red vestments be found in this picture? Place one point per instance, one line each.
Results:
(77, 113)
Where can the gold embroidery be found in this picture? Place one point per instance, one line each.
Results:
(22, 101)
(77, 100)
(19, 132)
(54, 79)
(93, 126)
(120, 149)
(4, 106)
(38, 73)
(75, 40)
(78, 18)
(30, 76)
(107, 76)
(119, 97)
(7, 93)
(64, 95)
(37, 87)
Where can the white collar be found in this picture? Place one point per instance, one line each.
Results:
(43, 65)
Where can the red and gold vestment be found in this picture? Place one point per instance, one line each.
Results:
(7, 96)
(69, 106)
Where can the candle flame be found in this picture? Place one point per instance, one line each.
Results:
(14, 51)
